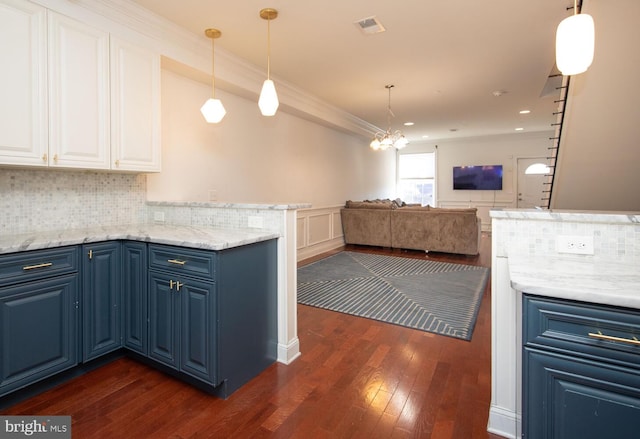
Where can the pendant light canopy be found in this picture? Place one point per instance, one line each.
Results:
(213, 110)
(268, 101)
(387, 139)
(575, 41)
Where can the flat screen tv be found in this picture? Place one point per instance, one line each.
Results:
(477, 178)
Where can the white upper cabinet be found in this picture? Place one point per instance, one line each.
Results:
(72, 95)
(78, 95)
(135, 108)
(23, 88)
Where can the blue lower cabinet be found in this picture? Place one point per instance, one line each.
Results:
(576, 383)
(182, 319)
(38, 330)
(101, 299)
(134, 296)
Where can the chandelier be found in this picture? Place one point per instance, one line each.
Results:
(386, 139)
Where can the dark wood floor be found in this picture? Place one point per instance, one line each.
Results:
(356, 378)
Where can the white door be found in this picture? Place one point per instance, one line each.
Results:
(78, 94)
(23, 82)
(531, 187)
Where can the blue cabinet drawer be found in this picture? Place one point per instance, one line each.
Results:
(37, 264)
(180, 260)
(590, 330)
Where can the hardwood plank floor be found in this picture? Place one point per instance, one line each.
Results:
(356, 378)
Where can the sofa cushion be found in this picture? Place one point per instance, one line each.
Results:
(376, 204)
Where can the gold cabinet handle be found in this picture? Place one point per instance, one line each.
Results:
(171, 284)
(44, 157)
(178, 285)
(600, 336)
(33, 267)
(55, 158)
(117, 163)
(176, 261)
(90, 254)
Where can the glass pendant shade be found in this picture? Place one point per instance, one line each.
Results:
(268, 101)
(213, 110)
(575, 40)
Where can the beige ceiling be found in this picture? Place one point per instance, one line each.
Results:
(446, 58)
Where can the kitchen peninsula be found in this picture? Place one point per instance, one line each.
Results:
(552, 310)
(197, 302)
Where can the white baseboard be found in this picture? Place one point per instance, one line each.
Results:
(307, 252)
(504, 423)
(287, 354)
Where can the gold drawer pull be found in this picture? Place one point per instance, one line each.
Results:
(32, 267)
(600, 336)
(176, 261)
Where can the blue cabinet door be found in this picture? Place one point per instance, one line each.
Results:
(134, 291)
(101, 296)
(38, 330)
(164, 314)
(199, 329)
(566, 397)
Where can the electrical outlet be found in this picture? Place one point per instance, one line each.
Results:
(158, 217)
(254, 222)
(579, 245)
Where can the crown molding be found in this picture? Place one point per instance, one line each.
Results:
(233, 74)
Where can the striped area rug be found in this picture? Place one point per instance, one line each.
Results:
(432, 296)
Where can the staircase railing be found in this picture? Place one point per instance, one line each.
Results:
(555, 146)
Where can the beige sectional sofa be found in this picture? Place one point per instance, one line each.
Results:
(388, 223)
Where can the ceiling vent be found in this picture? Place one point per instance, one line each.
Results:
(370, 25)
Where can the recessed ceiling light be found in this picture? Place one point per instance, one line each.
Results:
(519, 129)
(525, 111)
(408, 124)
(425, 136)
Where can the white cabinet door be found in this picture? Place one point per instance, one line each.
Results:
(78, 95)
(23, 77)
(135, 108)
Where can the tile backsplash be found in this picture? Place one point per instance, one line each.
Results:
(39, 200)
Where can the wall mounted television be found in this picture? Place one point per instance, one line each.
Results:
(477, 178)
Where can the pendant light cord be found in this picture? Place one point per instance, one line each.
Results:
(213, 68)
(268, 48)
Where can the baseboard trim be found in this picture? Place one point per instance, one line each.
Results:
(288, 353)
(503, 422)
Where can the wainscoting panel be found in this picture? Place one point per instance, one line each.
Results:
(319, 230)
(300, 232)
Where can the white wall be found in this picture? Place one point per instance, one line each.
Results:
(599, 153)
(487, 150)
(251, 158)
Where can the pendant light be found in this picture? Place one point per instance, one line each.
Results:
(268, 101)
(575, 40)
(213, 110)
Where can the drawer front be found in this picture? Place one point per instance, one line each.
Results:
(37, 264)
(180, 260)
(593, 331)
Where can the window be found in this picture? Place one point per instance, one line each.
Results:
(416, 178)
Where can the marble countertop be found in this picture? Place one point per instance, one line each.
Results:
(185, 236)
(585, 279)
(607, 217)
(219, 205)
